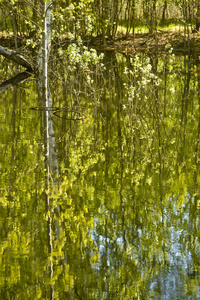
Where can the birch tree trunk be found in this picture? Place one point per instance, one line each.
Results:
(44, 91)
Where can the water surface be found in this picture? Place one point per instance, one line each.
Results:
(121, 220)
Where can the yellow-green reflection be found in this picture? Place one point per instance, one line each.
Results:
(123, 217)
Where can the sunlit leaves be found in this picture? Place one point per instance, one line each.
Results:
(82, 58)
(139, 77)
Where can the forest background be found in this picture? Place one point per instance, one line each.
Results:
(125, 26)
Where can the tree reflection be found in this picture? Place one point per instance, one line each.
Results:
(123, 220)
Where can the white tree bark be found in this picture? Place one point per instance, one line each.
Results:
(45, 94)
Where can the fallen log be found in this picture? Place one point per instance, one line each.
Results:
(17, 58)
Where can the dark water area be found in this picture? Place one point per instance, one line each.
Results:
(120, 219)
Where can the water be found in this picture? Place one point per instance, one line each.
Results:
(121, 220)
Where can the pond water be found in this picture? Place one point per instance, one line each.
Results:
(119, 218)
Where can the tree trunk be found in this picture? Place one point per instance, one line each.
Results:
(152, 21)
(104, 20)
(44, 91)
(133, 17)
(128, 17)
(198, 16)
(164, 12)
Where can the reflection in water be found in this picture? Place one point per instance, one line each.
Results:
(15, 80)
(123, 222)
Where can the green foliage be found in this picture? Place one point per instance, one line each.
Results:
(86, 18)
(138, 78)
